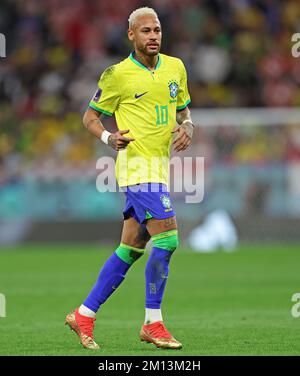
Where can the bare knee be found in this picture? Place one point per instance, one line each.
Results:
(134, 234)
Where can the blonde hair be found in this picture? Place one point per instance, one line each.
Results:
(140, 12)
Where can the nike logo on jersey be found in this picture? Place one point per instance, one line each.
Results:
(140, 95)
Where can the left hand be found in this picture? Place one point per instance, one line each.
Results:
(184, 137)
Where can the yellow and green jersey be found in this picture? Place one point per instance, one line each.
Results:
(145, 102)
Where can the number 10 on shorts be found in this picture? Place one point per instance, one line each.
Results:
(161, 115)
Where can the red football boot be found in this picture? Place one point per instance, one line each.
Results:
(84, 327)
(157, 334)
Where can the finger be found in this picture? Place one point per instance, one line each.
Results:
(179, 140)
(127, 139)
(124, 131)
(184, 138)
(181, 133)
(176, 129)
(122, 144)
(182, 144)
(121, 147)
(181, 147)
(178, 146)
(179, 137)
(185, 146)
(188, 143)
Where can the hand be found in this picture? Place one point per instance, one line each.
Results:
(117, 141)
(184, 137)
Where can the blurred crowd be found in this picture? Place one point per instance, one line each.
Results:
(237, 53)
(255, 145)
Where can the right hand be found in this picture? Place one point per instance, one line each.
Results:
(117, 141)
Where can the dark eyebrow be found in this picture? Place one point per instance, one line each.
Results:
(149, 28)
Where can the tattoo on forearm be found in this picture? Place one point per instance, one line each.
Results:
(92, 121)
(183, 115)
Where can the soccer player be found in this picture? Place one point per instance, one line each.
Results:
(148, 94)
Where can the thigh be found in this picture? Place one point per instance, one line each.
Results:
(134, 234)
(157, 226)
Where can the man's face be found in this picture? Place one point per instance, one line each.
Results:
(146, 35)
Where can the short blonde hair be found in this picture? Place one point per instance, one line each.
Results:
(140, 12)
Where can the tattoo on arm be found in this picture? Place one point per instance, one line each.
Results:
(92, 121)
(188, 126)
(183, 115)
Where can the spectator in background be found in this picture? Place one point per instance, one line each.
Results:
(237, 53)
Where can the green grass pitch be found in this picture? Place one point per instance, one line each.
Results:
(216, 304)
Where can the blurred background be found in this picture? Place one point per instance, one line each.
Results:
(245, 91)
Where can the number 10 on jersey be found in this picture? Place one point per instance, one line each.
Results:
(161, 115)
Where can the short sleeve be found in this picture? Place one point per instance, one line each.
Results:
(106, 98)
(183, 98)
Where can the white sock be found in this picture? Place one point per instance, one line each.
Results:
(153, 315)
(85, 311)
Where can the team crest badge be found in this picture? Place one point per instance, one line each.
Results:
(165, 201)
(173, 86)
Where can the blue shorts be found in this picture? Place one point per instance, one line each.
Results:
(147, 200)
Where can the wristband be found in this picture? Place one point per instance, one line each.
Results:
(104, 136)
(188, 121)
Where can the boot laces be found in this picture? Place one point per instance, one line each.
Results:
(87, 327)
(159, 331)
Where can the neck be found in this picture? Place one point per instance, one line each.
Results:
(149, 61)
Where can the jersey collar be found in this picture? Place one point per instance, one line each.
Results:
(132, 58)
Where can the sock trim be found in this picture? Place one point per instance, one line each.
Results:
(152, 315)
(140, 250)
(86, 311)
(127, 254)
(164, 234)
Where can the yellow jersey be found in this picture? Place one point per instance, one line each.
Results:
(144, 102)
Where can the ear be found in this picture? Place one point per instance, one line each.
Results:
(130, 35)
